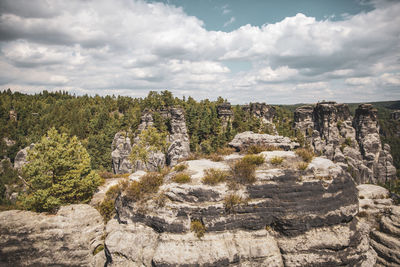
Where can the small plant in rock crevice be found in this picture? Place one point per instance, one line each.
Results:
(276, 160)
(181, 178)
(198, 228)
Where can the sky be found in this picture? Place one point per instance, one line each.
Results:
(278, 52)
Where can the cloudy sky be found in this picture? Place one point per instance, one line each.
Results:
(279, 52)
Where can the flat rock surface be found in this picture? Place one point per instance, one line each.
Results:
(68, 238)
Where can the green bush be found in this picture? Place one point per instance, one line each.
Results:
(107, 209)
(58, 172)
(198, 228)
(254, 159)
(181, 178)
(306, 154)
(276, 160)
(214, 176)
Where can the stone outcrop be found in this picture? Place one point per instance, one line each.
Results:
(179, 138)
(246, 139)
(354, 143)
(21, 157)
(264, 112)
(225, 113)
(286, 218)
(121, 149)
(69, 238)
(382, 218)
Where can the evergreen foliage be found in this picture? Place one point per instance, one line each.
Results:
(58, 172)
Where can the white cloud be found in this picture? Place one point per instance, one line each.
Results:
(131, 46)
(230, 21)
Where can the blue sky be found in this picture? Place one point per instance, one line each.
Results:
(217, 14)
(279, 52)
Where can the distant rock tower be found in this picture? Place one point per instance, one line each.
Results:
(353, 143)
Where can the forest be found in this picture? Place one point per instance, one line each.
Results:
(94, 120)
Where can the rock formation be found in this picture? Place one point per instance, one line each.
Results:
(179, 138)
(225, 113)
(286, 218)
(395, 115)
(243, 140)
(21, 157)
(354, 143)
(69, 238)
(121, 149)
(263, 111)
(383, 220)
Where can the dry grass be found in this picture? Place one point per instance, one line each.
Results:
(225, 151)
(181, 167)
(232, 200)
(181, 178)
(214, 176)
(302, 166)
(243, 172)
(214, 157)
(255, 149)
(147, 184)
(198, 228)
(254, 159)
(306, 154)
(276, 160)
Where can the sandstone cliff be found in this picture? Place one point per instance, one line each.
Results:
(354, 143)
(286, 218)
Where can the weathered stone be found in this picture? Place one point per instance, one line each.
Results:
(331, 131)
(288, 219)
(21, 157)
(225, 113)
(68, 238)
(178, 138)
(246, 139)
(121, 149)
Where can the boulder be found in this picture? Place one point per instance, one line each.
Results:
(72, 237)
(246, 139)
(21, 158)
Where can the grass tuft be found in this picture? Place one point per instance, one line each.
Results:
(214, 176)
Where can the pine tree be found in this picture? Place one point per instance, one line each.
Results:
(58, 173)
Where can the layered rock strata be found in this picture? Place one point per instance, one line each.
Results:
(383, 221)
(244, 140)
(69, 238)
(282, 209)
(354, 143)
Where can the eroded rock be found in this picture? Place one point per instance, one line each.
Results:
(330, 129)
(121, 149)
(246, 139)
(69, 238)
(22, 157)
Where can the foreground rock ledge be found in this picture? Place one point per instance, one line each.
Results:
(68, 238)
(291, 218)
